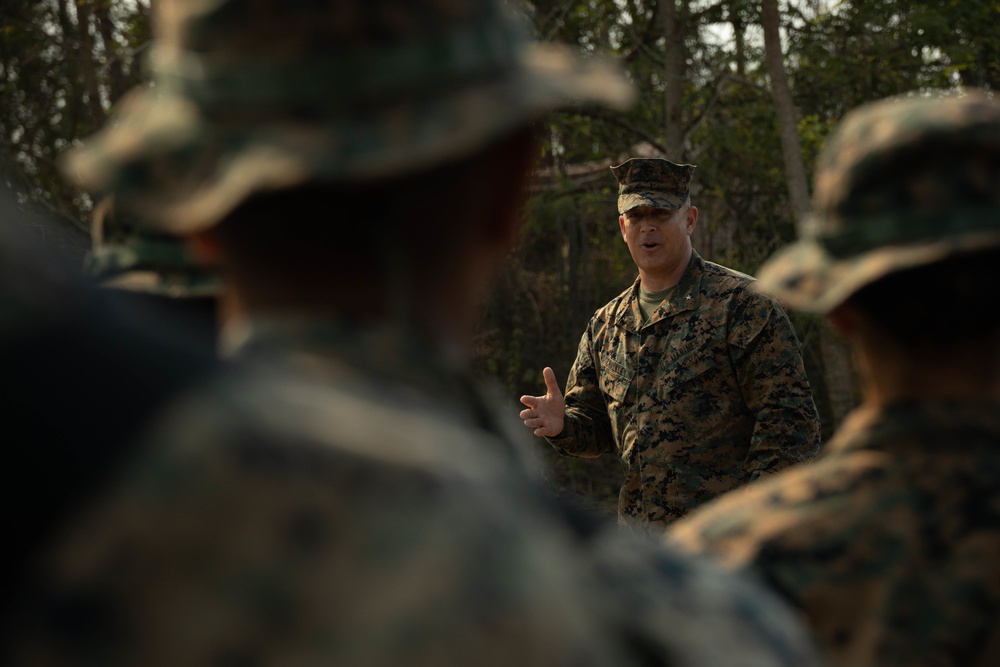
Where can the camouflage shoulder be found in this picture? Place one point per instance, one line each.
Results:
(737, 289)
(716, 617)
(295, 518)
(724, 273)
(745, 287)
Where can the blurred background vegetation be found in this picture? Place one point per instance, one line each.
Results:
(745, 90)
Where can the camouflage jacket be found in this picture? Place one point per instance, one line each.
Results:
(888, 541)
(346, 496)
(707, 395)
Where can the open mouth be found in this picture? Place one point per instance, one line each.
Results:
(649, 245)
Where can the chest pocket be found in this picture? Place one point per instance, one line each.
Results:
(690, 366)
(615, 380)
(699, 385)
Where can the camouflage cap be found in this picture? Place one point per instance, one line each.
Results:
(264, 95)
(128, 256)
(901, 183)
(652, 182)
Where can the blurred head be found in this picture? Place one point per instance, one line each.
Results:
(371, 246)
(939, 309)
(903, 184)
(339, 148)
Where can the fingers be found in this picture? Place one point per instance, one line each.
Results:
(539, 427)
(537, 415)
(533, 420)
(551, 385)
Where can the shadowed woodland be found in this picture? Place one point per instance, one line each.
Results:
(747, 91)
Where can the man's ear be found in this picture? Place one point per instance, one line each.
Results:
(691, 219)
(844, 320)
(510, 178)
(205, 248)
(621, 226)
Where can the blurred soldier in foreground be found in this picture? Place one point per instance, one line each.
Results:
(344, 494)
(81, 379)
(691, 375)
(890, 541)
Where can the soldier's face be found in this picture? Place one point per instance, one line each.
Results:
(659, 240)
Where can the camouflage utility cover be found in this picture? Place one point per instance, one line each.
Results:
(258, 96)
(888, 541)
(709, 394)
(347, 497)
(902, 182)
(652, 182)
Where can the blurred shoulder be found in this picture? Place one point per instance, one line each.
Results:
(715, 616)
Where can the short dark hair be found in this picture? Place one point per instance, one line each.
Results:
(311, 233)
(948, 302)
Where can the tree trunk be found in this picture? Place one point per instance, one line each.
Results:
(87, 67)
(837, 365)
(736, 20)
(791, 150)
(117, 84)
(673, 31)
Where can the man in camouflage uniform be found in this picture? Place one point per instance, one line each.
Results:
(691, 374)
(344, 493)
(890, 540)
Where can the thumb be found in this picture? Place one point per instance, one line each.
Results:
(551, 385)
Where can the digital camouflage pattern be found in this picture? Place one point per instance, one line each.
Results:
(652, 182)
(868, 222)
(346, 496)
(129, 256)
(249, 96)
(708, 395)
(889, 541)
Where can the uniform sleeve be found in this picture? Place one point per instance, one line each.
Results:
(587, 430)
(768, 364)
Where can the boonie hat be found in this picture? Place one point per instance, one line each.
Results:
(652, 182)
(901, 183)
(126, 255)
(251, 96)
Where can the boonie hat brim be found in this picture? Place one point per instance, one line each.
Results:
(182, 172)
(805, 276)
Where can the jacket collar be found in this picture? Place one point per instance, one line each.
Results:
(686, 296)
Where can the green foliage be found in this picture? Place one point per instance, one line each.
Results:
(62, 65)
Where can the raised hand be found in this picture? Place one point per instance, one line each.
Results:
(545, 414)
